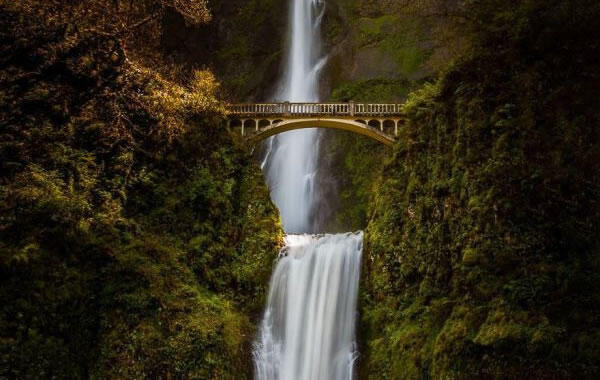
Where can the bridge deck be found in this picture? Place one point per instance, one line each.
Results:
(315, 109)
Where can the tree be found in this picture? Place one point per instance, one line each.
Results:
(136, 23)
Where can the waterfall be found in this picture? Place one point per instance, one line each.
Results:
(291, 158)
(308, 328)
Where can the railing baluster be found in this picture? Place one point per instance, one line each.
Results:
(362, 109)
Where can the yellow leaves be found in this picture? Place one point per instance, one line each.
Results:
(203, 88)
(174, 99)
(194, 11)
(36, 184)
(173, 104)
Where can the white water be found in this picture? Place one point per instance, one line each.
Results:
(308, 329)
(291, 159)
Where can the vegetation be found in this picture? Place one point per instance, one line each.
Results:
(378, 52)
(243, 46)
(482, 247)
(136, 239)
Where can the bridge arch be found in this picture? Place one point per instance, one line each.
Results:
(374, 123)
(250, 124)
(264, 123)
(259, 121)
(340, 124)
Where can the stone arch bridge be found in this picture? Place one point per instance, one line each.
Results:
(256, 122)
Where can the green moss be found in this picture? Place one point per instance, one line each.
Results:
(374, 30)
(373, 90)
(470, 257)
(483, 255)
(398, 37)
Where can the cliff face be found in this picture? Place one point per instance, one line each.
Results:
(136, 239)
(482, 250)
(378, 51)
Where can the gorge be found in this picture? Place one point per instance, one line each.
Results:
(141, 238)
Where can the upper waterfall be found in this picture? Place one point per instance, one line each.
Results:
(291, 159)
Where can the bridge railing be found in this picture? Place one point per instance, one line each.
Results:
(314, 109)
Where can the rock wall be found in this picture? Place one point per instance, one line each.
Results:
(482, 250)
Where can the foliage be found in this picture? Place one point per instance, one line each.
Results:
(372, 91)
(243, 45)
(482, 252)
(111, 16)
(136, 239)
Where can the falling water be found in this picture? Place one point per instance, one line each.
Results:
(291, 159)
(307, 332)
(308, 329)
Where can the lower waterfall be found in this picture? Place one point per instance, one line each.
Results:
(308, 328)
